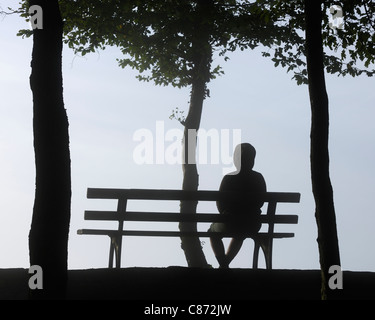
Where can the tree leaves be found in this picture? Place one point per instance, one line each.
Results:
(155, 37)
(345, 48)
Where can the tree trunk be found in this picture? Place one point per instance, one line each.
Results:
(202, 58)
(192, 245)
(321, 184)
(48, 238)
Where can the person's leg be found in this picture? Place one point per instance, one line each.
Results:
(234, 247)
(219, 251)
(218, 245)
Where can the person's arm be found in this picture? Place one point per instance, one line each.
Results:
(222, 204)
(262, 189)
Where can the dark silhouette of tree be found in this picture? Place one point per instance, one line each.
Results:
(201, 58)
(319, 154)
(351, 45)
(48, 238)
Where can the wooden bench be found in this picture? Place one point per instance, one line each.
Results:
(262, 240)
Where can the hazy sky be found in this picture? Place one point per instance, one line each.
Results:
(106, 106)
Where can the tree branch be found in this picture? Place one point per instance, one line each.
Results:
(369, 16)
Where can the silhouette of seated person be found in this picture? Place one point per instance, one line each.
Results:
(242, 212)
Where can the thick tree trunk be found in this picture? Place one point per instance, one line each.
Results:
(48, 238)
(321, 184)
(200, 77)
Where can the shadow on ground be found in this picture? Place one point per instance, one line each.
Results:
(180, 283)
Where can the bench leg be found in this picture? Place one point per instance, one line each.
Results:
(266, 245)
(111, 251)
(114, 252)
(118, 251)
(256, 254)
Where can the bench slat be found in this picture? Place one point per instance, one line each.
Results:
(200, 195)
(178, 217)
(148, 233)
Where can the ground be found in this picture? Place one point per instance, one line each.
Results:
(180, 283)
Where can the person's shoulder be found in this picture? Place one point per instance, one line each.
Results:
(258, 177)
(231, 174)
(229, 180)
(256, 173)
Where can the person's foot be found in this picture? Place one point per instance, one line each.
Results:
(223, 262)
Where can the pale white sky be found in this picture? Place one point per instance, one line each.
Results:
(106, 105)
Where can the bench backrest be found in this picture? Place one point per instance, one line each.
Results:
(162, 194)
(123, 195)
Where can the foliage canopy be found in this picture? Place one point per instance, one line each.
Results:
(155, 37)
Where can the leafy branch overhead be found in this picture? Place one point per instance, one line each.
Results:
(155, 37)
(347, 51)
(178, 115)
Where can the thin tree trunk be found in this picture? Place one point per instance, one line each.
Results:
(48, 238)
(192, 245)
(200, 77)
(321, 184)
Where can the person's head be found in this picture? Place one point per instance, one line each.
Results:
(244, 156)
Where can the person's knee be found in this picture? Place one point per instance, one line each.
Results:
(214, 238)
(238, 240)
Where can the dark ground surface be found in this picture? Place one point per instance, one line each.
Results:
(180, 283)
